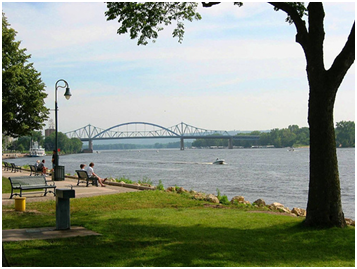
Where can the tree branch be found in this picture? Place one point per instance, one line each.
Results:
(344, 60)
(210, 4)
(302, 34)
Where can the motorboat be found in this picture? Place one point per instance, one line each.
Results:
(219, 161)
(36, 150)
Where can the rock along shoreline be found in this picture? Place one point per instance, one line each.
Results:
(240, 200)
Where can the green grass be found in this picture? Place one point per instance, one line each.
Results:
(153, 228)
(6, 186)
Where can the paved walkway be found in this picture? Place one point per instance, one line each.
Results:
(50, 232)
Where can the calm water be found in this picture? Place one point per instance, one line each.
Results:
(274, 175)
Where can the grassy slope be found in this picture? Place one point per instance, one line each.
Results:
(165, 229)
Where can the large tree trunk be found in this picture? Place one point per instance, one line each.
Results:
(324, 206)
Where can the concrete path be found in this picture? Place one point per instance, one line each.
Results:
(80, 191)
(50, 232)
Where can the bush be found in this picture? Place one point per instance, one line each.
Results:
(160, 186)
(222, 199)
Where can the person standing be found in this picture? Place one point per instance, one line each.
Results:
(54, 156)
(90, 172)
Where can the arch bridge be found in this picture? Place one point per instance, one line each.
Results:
(140, 130)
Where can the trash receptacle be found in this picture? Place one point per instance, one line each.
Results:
(20, 203)
(58, 173)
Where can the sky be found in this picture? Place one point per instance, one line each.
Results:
(236, 69)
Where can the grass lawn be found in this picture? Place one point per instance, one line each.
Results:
(153, 228)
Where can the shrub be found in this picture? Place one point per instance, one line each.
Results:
(222, 199)
(160, 186)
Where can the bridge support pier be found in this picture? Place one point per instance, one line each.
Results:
(230, 143)
(182, 144)
(90, 147)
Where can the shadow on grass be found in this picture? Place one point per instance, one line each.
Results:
(142, 241)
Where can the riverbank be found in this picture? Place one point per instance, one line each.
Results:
(119, 187)
(13, 155)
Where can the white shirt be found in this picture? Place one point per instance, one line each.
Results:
(90, 171)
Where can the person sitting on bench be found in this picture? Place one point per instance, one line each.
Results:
(37, 166)
(91, 173)
(41, 167)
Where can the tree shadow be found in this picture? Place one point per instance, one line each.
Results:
(127, 241)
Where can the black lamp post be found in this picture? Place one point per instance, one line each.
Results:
(67, 95)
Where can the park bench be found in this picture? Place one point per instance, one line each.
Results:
(34, 171)
(83, 177)
(30, 183)
(7, 166)
(15, 168)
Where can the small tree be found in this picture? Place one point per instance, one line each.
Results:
(23, 92)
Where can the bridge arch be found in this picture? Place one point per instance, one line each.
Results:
(158, 133)
(150, 130)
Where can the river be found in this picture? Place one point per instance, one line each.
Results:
(274, 175)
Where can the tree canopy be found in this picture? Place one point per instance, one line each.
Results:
(23, 92)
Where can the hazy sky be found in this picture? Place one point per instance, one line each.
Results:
(237, 68)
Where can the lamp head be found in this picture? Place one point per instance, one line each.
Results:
(67, 94)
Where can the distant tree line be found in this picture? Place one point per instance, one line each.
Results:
(293, 136)
(345, 134)
(65, 144)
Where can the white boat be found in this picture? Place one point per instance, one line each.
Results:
(36, 150)
(219, 161)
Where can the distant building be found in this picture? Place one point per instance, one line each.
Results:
(51, 128)
(48, 132)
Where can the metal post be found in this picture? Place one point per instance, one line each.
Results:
(67, 95)
(56, 130)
